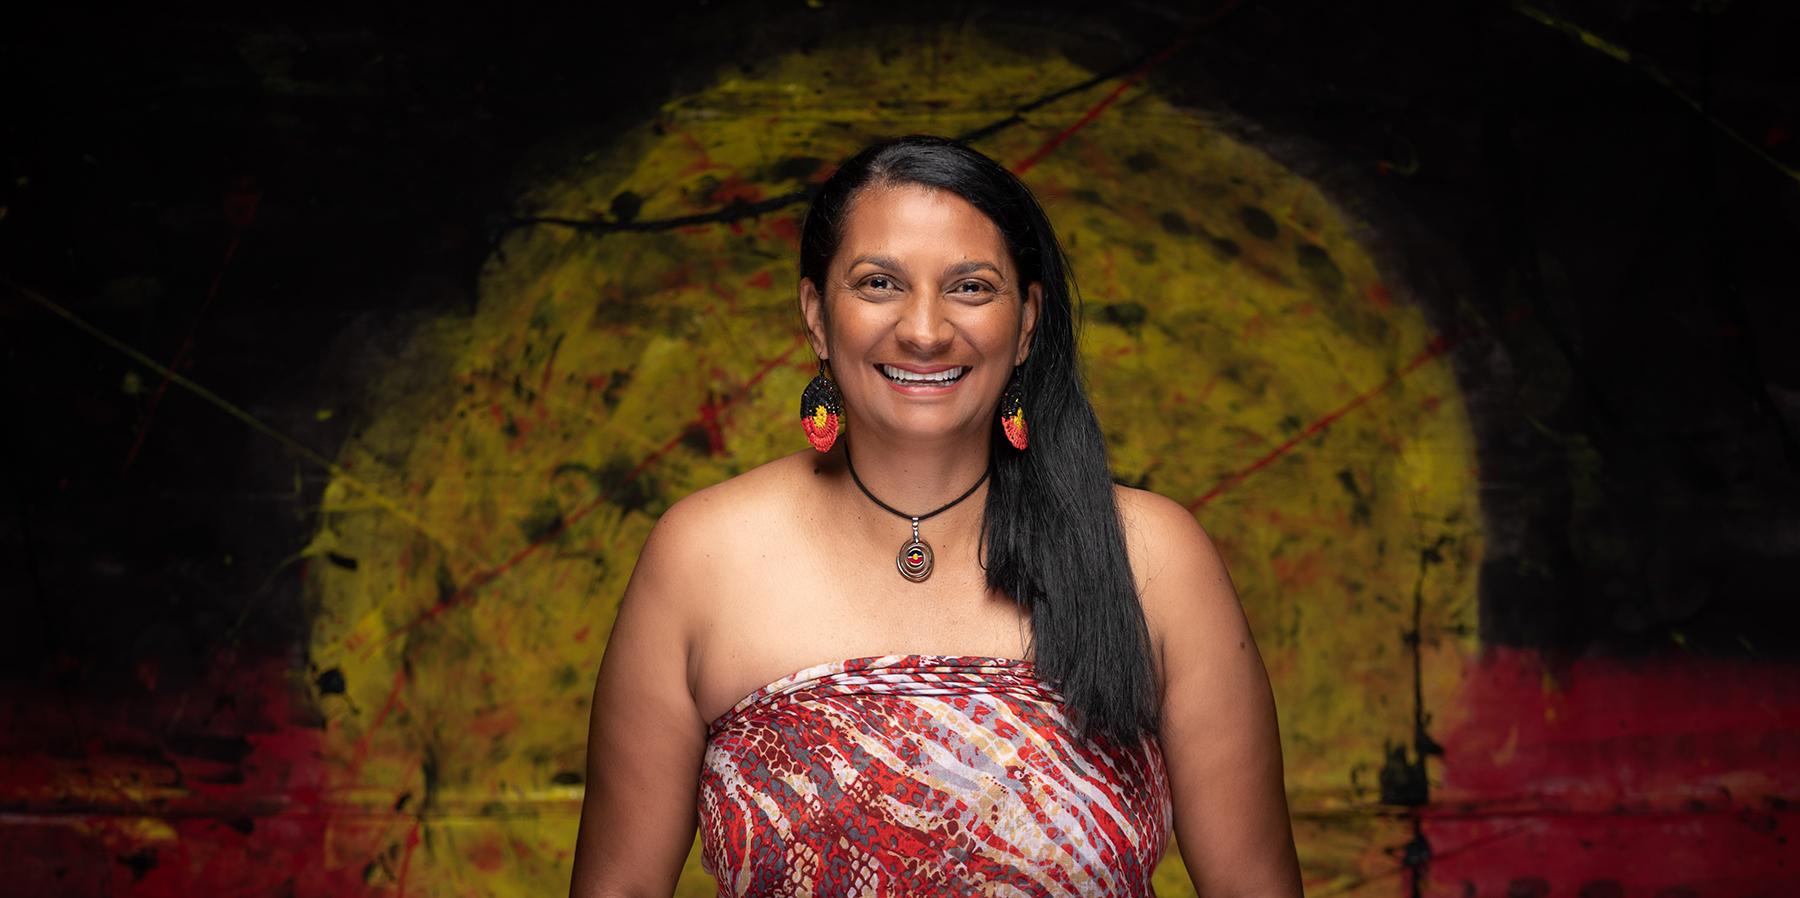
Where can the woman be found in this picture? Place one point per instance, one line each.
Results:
(940, 652)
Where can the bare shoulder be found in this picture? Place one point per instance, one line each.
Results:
(1181, 578)
(697, 539)
(1163, 537)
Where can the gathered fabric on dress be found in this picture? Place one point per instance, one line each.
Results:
(925, 775)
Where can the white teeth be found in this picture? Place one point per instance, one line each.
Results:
(909, 377)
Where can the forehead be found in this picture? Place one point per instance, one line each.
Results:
(920, 225)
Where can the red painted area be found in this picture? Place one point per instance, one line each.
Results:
(734, 188)
(1379, 296)
(206, 788)
(1655, 774)
(787, 230)
(487, 854)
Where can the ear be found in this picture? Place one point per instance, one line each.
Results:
(812, 311)
(1034, 302)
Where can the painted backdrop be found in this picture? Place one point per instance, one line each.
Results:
(1496, 441)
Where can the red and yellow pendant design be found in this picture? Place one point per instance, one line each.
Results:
(1012, 420)
(914, 558)
(821, 412)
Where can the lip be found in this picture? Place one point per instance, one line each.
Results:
(923, 389)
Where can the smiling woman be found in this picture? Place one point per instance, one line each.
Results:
(1057, 677)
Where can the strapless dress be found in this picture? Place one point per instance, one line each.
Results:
(925, 775)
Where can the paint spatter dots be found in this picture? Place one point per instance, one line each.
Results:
(1319, 268)
(625, 206)
(1128, 315)
(1257, 222)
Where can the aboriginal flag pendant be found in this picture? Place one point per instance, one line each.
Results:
(821, 411)
(914, 559)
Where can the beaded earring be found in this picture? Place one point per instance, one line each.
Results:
(1012, 413)
(821, 411)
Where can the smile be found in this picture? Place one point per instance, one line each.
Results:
(904, 377)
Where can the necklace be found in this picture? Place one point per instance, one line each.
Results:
(914, 557)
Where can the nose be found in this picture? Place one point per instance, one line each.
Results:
(923, 327)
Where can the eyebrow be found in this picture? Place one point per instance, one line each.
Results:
(967, 266)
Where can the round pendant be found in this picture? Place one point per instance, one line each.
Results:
(914, 560)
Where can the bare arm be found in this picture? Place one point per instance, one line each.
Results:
(1219, 731)
(645, 737)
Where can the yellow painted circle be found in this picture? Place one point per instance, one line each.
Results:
(1231, 309)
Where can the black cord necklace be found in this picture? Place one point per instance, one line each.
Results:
(914, 557)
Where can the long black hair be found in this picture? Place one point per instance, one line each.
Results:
(1051, 536)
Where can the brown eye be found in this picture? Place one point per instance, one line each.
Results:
(878, 282)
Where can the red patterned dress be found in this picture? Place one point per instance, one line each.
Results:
(925, 775)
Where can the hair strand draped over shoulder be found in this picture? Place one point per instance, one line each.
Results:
(1051, 534)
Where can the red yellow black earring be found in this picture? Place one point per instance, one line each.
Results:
(821, 411)
(1012, 413)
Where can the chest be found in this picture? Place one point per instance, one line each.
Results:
(805, 607)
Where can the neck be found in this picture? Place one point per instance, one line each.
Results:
(917, 479)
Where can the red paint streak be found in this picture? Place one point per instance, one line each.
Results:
(239, 206)
(761, 280)
(1655, 773)
(412, 842)
(544, 382)
(387, 707)
(1437, 347)
(702, 161)
(709, 413)
(487, 725)
(1136, 75)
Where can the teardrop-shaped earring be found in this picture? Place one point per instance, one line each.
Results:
(1012, 413)
(821, 411)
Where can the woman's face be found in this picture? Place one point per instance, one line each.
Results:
(922, 317)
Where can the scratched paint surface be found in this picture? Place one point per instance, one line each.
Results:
(1230, 307)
